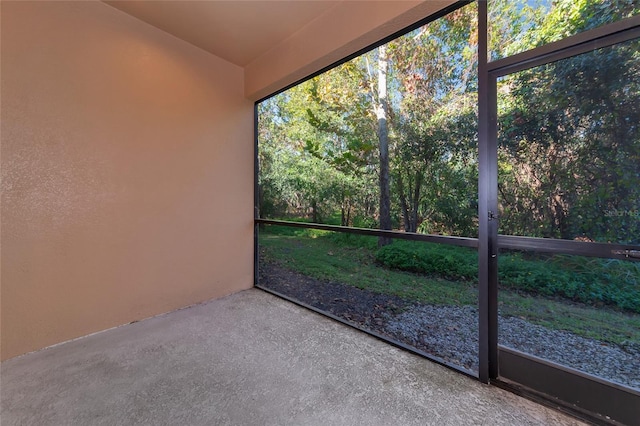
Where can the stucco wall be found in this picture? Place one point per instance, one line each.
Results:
(127, 174)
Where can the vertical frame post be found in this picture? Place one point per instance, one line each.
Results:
(487, 210)
(256, 196)
(492, 201)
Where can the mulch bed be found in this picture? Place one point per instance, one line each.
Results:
(361, 307)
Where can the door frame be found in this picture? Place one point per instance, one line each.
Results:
(505, 367)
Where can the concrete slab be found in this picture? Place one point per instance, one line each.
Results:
(247, 359)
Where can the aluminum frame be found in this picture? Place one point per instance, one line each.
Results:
(487, 208)
(578, 393)
(601, 401)
(586, 41)
(431, 238)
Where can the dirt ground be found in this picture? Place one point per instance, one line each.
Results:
(361, 307)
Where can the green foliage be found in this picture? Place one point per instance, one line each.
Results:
(445, 261)
(580, 279)
(350, 259)
(593, 281)
(321, 255)
(569, 150)
(355, 241)
(569, 146)
(569, 143)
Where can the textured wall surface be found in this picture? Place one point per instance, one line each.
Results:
(127, 173)
(127, 160)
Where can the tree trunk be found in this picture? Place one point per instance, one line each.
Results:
(383, 140)
(409, 199)
(404, 205)
(348, 215)
(416, 201)
(315, 216)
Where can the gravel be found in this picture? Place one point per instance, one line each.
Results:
(451, 332)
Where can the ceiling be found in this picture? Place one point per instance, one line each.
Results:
(238, 31)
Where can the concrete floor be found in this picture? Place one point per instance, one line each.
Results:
(247, 359)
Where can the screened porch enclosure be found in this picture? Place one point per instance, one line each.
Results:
(429, 196)
(468, 190)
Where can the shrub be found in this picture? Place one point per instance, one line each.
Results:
(445, 261)
(587, 280)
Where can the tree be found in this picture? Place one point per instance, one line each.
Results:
(568, 161)
(381, 108)
(404, 115)
(435, 67)
(337, 105)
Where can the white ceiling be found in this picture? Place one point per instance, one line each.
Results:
(238, 31)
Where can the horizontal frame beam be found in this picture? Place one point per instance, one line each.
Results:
(609, 402)
(582, 248)
(606, 35)
(547, 245)
(441, 239)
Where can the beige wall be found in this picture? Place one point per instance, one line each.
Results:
(343, 30)
(127, 160)
(127, 176)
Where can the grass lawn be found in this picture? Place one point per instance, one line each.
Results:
(351, 260)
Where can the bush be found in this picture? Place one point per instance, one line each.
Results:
(445, 261)
(577, 278)
(581, 279)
